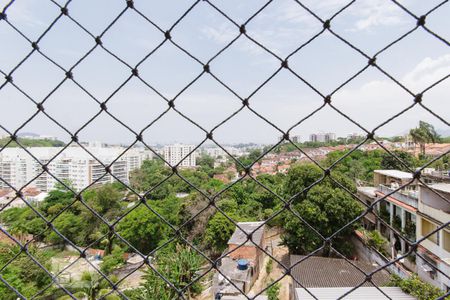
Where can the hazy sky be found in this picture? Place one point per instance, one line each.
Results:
(417, 62)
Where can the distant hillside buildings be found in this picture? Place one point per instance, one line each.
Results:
(74, 165)
(322, 137)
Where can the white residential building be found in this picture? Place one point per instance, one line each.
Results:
(322, 137)
(179, 153)
(434, 211)
(296, 139)
(73, 165)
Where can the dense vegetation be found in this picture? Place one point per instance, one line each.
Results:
(25, 142)
(417, 288)
(22, 273)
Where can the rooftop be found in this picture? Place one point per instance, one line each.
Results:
(319, 272)
(228, 268)
(240, 237)
(367, 190)
(395, 173)
(440, 187)
(366, 293)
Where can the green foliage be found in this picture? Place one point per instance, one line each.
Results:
(273, 291)
(417, 288)
(218, 231)
(144, 229)
(77, 223)
(389, 162)
(22, 221)
(56, 200)
(205, 164)
(153, 172)
(247, 160)
(377, 241)
(326, 207)
(150, 174)
(113, 260)
(358, 165)
(269, 266)
(424, 133)
(179, 264)
(31, 142)
(22, 273)
(70, 225)
(91, 286)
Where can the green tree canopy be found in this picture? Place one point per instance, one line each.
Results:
(325, 206)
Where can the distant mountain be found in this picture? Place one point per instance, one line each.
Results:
(21, 134)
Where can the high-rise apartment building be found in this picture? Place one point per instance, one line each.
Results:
(322, 137)
(73, 165)
(177, 153)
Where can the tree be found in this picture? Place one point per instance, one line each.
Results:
(206, 164)
(56, 200)
(144, 229)
(92, 286)
(424, 133)
(326, 207)
(113, 260)
(179, 265)
(358, 165)
(218, 231)
(391, 163)
(23, 273)
(149, 175)
(248, 159)
(72, 227)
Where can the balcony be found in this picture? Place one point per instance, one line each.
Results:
(408, 197)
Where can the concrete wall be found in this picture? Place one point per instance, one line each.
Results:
(433, 201)
(371, 256)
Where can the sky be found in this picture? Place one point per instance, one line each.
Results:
(417, 61)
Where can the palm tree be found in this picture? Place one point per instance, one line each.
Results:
(424, 134)
(89, 286)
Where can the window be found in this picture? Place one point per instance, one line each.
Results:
(446, 241)
(428, 227)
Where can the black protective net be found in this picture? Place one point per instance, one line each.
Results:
(177, 233)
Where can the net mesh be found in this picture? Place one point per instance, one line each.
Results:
(206, 68)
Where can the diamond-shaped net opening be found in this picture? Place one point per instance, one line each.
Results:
(244, 207)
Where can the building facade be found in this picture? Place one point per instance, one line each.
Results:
(433, 264)
(179, 154)
(397, 207)
(73, 165)
(322, 137)
(416, 212)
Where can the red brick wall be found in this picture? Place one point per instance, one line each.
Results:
(247, 252)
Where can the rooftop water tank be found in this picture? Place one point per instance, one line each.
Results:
(242, 264)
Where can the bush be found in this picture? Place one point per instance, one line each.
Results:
(273, 291)
(416, 287)
(269, 266)
(112, 261)
(377, 241)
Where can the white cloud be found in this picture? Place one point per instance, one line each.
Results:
(24, 13)
(222, 34)
(377, 100)
(427, 72)
(377, 13)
